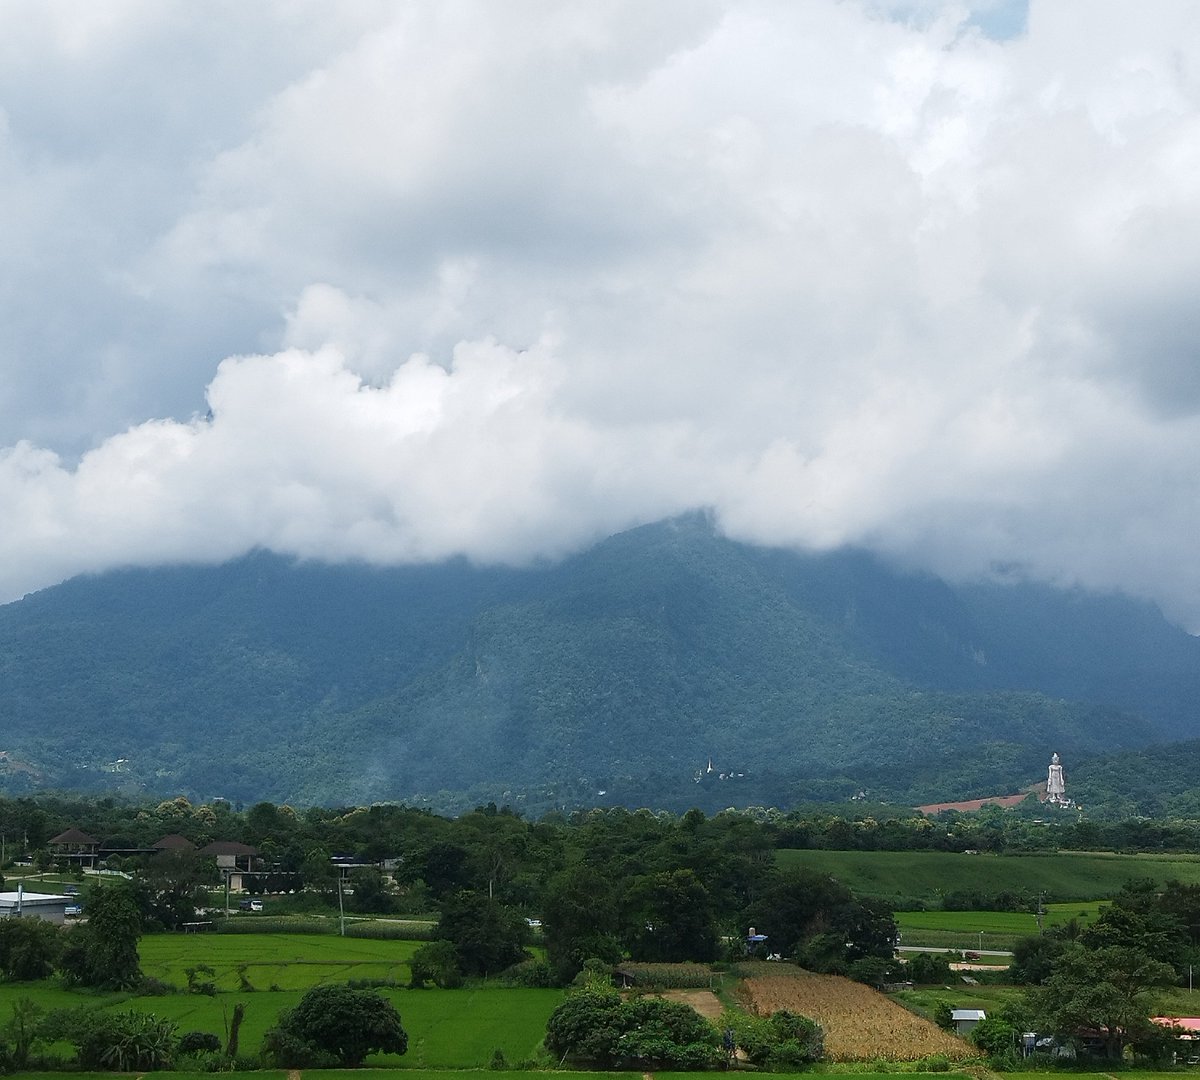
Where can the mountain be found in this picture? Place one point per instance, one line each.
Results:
(623, 670)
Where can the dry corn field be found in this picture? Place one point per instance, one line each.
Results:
(860, 1024)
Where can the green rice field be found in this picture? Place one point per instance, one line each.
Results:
(280, 961)
(928, 875)
(447, 1029)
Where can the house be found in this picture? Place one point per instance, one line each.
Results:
(234, 860)
(966, 1019)
(29, 905)
(75, 848)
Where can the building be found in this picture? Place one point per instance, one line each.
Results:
(966, 1019)
(75, 848)
(28, 905)
(234, 860)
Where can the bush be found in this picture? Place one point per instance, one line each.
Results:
(123, 1041)
(436, 963)
(335, 1025)
(531, 973)
(198, 1042)
(781, 1042)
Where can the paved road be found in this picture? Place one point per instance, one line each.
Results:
(934, 948)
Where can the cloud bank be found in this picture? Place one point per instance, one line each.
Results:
(401, 282)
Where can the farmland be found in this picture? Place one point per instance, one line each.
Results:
(987, 929)
(275, 961)
(927, 876)
(860, 1024)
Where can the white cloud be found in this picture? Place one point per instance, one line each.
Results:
(500, 279)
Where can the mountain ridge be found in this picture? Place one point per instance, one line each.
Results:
(641, 658)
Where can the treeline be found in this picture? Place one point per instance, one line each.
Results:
(440, 847)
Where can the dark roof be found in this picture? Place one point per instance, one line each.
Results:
(73, 836)
(175, 842)
(227, 847)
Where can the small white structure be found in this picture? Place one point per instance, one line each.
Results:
(29, 905)
(966, 1019)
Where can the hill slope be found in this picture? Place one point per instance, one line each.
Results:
(627, 667)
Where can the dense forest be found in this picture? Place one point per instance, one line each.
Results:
(612, 678)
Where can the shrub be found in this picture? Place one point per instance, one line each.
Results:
(531, 973)
(198, 1042)
(124, 1041)
(781, 1042)
(437, 963)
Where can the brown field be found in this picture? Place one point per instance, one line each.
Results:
(703, 1001)
(860, 1024)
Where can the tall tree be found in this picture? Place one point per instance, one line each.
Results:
(1106, 990)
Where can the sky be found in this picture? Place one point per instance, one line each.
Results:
(396, 281)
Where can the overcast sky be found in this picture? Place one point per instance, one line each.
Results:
(400, 281)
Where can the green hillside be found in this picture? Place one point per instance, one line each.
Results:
(623, 670)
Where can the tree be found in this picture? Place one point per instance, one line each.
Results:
(488, 936)
(928, 968)
(597, 1027)
(29, 948)
(579, 921)
(370, 892)
(670, 919)
(103, 952)
(171, 887)
(1105, 989)
(1034, 959)
(336, 1025)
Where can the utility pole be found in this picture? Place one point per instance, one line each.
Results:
(341, 909)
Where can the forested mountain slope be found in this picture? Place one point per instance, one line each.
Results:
(627, 667)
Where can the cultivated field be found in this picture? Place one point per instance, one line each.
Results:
(860, 1024)
(999, 929)
(447, 1029)
(928, 875)
(275, 961)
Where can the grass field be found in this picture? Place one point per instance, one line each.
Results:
(929, 875)
(999, 929)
